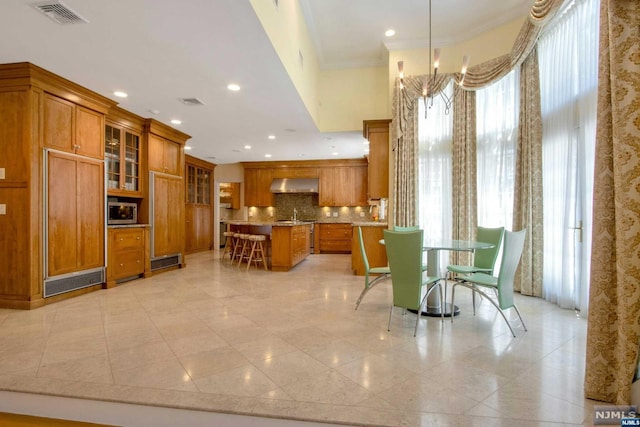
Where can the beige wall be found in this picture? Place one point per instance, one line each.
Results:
(286, 28)
(339, 100)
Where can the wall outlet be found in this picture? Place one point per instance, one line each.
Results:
(335, 214)
(3, 209)
(328, 214)
(250, 214)
(361, 214)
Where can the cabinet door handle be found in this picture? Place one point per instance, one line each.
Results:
(121, 239)
(121, 265)
(138, 237)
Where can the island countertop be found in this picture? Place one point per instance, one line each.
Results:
(268, 223)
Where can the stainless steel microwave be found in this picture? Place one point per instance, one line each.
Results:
(122, 213)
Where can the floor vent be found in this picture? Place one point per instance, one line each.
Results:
(164, 262)
(60, 12)
(61, 284)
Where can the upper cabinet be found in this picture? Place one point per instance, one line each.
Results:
(72, 128)
(257, 187)
(377, 133)
(124, 154)
(343, 186)
(165, 146)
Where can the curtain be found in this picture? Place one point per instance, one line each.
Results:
(497, 131)
(528, 200)
(464, 208)
(568, 80)
(613, 333)
(435, 134)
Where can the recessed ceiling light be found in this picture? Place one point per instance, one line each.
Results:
(247, 147)
(234, 87)
(154, 111)
(267, 155)
(271, 137)
(390, 32)
(187, 147)
(335, 153)
(120, 94)
(176, 121)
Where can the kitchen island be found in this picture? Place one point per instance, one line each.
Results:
(288, 242)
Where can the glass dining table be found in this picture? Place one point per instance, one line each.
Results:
(433, 248)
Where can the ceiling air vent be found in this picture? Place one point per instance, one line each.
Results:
(60, 12)
(191, 101)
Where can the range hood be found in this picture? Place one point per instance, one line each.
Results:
(294, 185)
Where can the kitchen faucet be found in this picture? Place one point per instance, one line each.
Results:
(295, 214)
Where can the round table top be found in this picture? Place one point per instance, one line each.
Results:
(455, 245)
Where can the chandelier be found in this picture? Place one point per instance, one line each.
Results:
(428, 85)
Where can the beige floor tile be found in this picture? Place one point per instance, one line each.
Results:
(291, 367)
(206, 363)
(245, 380)
(216, 337)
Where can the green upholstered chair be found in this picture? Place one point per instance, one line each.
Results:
(503, 284)
(404, 252)
(410, 228)
(380, 273)
(484, 260)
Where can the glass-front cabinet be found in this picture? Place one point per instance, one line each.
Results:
(198, 185)
(122, 157)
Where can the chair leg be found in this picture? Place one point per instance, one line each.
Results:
(521, 321)
(253, 250)
(370, 285)
(389, 324)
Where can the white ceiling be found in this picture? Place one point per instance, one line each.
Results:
(161, 50)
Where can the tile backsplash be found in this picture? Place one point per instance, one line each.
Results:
(307, 208)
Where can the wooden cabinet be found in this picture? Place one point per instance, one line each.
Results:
(376, 252)
(198, 208)
(343, 186)
(230, 194)
(164, 204)
(128, 254)
(75, 214)
(290, 245)
(295, 172)
(377, 133)
(334, 237)
(52, 231)
(124, 154)
(168, 216)
(257, 187)
(72, 128)
(165, 156)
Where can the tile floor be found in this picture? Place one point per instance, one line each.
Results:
(217, 338)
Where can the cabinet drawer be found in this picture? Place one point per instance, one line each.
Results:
(128, 263)
(128, 239)
(335, 245)
(335, 231)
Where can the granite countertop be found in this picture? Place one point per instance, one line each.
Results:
(288, 223)
(269, 223)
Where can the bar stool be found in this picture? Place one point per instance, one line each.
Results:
(228, 244)
(257, 251)
(245, 251)
(237, 246)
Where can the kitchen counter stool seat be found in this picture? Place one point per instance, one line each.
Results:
(257, 254)
(229, 244)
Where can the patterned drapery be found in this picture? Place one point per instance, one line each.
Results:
(404, 135)
(527, 200)
(464, 172)
(613, 334)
